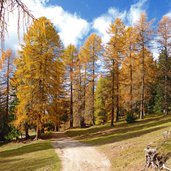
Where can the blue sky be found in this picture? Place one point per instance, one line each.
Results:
(76, 19)
(90, 9)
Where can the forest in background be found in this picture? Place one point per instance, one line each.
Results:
(46, 85)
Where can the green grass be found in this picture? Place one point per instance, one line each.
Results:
(37, 155)
(100, 135)
(124, 143)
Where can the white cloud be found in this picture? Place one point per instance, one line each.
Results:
(130, 17)
(71, 27)
(135, 11)
(101, 24)
(155, 48)
(168, 14)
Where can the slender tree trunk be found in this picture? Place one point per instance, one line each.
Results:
(142, 85)
(71, 96)
(84, 95)
(42, 129)
(41, 86)
(93, 119)
(79, 98)
(113, 93)
(166, 83)
(131, 86)
(56, 128)
(38, 132)
(71, 106)
(7, 97)
(26, 131)
(117, 92)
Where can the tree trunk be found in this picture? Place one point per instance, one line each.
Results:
(80, 96)
(131, 86)
(26, 131)
(56, 128)
(166, 84)
(71, 107)
(42, 130)
(71, 96)
(38, 133)
(142, 85)
(93, 119)
(38, 130)
(7, 96)
(117, 92)
(113, 93)
(84, 98)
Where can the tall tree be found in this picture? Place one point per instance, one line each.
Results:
(71, 56)
(164, 39)
(5, 88)
(91, 51)
(113, 57)
(34, 75)
(130, 51)
(83, 58)
(144, 32)
(79, 97)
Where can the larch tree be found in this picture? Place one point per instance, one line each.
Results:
(35, 74)
(71, 56)
(164, 40)
(91, 51)
(114, 54)
(83, 58)
(128, 68)
(144, 32)
(56, 108)
(149, 79)
(9, 62)
(79, 94)
(5, 90)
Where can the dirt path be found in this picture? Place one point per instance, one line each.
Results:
(76, 156)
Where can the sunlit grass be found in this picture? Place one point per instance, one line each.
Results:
(38, 155)
(124, 144)
(99, 135)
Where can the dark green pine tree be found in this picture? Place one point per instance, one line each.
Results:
(160, 88)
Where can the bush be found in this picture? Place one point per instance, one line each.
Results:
(130, 118)
(64, 118)
(49, 126)
(13, 133)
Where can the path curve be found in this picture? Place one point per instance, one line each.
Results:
(77, 156)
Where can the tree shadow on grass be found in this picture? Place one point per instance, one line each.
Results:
(122, 131)
(122, 125)
(129, 128)
(45, 163)
(9, 160)
(103, 139)
(111, 138)
(26, 149)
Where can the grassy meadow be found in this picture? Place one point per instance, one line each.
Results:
(36, 155)
(124, 144)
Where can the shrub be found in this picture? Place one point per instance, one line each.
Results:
(64, 118)
(130, 118)
(13, 133)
